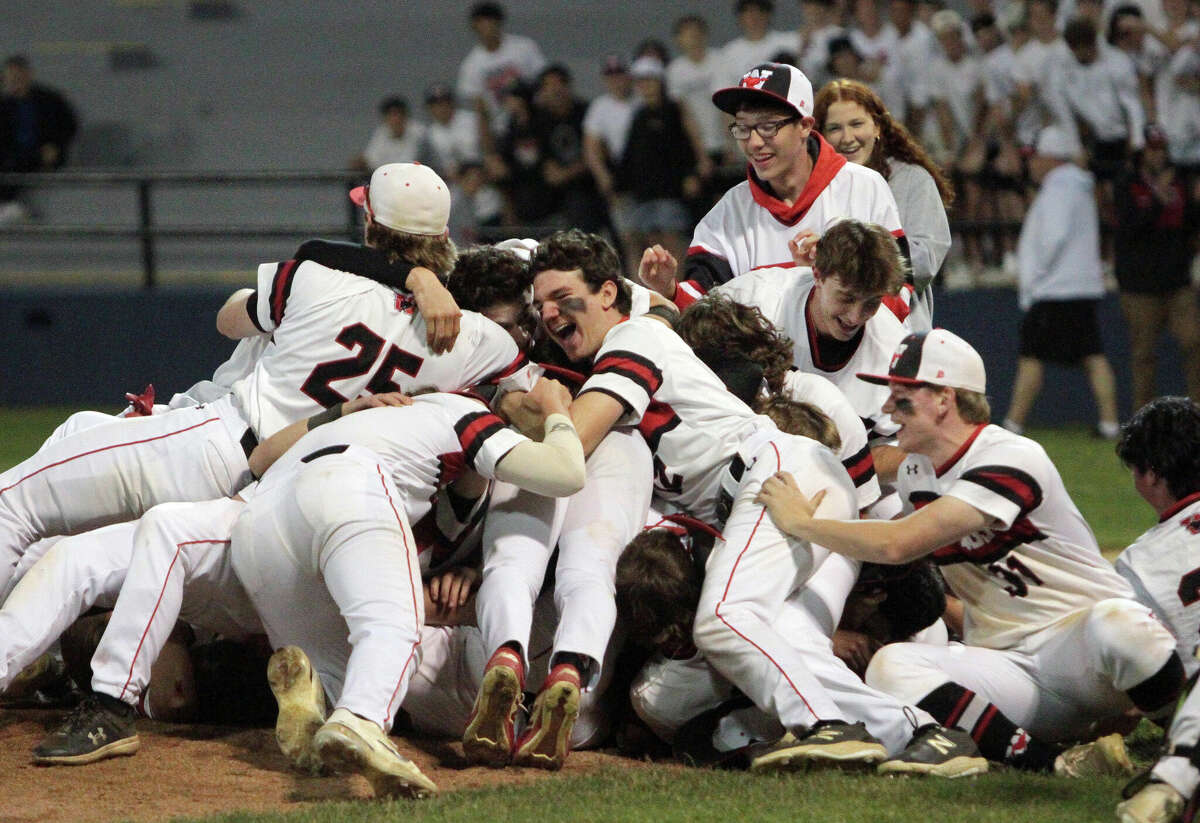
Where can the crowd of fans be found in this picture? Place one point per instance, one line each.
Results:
(650, 154)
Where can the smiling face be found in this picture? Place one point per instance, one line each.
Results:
(919, 411)
(574, 316)
(776, 158)
(851, 130)
(838, 311)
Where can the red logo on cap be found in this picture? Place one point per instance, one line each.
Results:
(755, 78)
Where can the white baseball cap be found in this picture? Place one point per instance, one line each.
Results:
(936, 358)
(646, 66)
(777, 82)
(407, 197)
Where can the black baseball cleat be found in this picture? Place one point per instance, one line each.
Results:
(938, 751)
(98, 728)
(829, 743)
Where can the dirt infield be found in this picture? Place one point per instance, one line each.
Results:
(200, 770)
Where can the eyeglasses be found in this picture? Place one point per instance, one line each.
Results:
(766, 129)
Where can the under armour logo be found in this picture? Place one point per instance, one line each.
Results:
(911, 469)
(826, 734)
(97, 736)
(1192, 524)
(755, 78)
(941, 743)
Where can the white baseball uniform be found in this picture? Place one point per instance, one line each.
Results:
(711, 455)
(749, 228)
(1163, 567)
(333, 336)
(1053, 636)
(325, 543)
(590, 530)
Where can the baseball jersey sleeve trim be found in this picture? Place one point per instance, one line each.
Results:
(473, 430)
(1004, 492)
(281, 288)
(860, 466)
(252, 310)
(705, 269)
(639, 370)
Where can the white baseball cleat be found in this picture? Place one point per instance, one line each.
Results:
(301, 700)
(1155, 803)
(347, 742)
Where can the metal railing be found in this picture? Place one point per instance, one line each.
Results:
(147, 231)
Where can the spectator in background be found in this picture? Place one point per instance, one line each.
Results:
(660, 165)
(914, 45)
(758, 43)
(475, 204)
(691, 80)
(1127, 33)
(879, 43)
(1178, 96)
(558, 122)
(1030, 105)
(653, 47)
(1061, 282)
(37, 125)
(516, 163)
(856, 123)
(1156, 223)
(605, 130)
(490, 68)
(1095, 92)
(452, 135)
(820, 26)
(395, 140)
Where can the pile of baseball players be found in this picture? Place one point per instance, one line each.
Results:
(437, 481)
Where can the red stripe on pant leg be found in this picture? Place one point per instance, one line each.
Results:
(728, 583)
(959, 707)
(408, 555)
(108, 448)
(157, 603)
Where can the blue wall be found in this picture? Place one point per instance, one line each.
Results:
(89, 349)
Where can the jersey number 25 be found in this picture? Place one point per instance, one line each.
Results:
(369, 345)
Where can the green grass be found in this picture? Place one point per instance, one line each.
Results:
(1102, 489)
(660, 793)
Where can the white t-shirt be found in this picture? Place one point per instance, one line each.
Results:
(1179, 109)
(692, 84)
(1103, 93)
(1058, 251)
(740, 55)
(960, 85)
(1038, 564)
(693, 426)
(782, 295)
(384, 147)
(450, 145)
(335, 335)
(1163, 567)
(487, 74)
(608, 119)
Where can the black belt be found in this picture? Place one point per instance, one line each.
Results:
(308, 458)
(249, 441)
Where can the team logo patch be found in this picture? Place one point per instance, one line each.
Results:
(1192, 524)
(755, 78)
(898, 354)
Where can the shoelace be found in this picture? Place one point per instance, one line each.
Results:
(78, 718)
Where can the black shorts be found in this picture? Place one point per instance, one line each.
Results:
(1061, 331)
(1107, 159)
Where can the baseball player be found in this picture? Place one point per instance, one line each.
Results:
(1161, 447)
(795, 182)
(332, 335)
(1054, 640)
(711, 454)
(325, 535)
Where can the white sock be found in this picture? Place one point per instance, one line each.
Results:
(1013, 426)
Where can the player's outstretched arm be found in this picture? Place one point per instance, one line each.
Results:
(268, 451)
(233, 318)
(944, 521)
(555, 466)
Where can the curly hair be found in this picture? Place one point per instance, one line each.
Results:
(894, 139)
(741, 329)
(804, 419)
(436, 253)
(658, 589)
(916, 596)
(591, 254)
(485, 276)
(864, 256)
(1164, 437)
